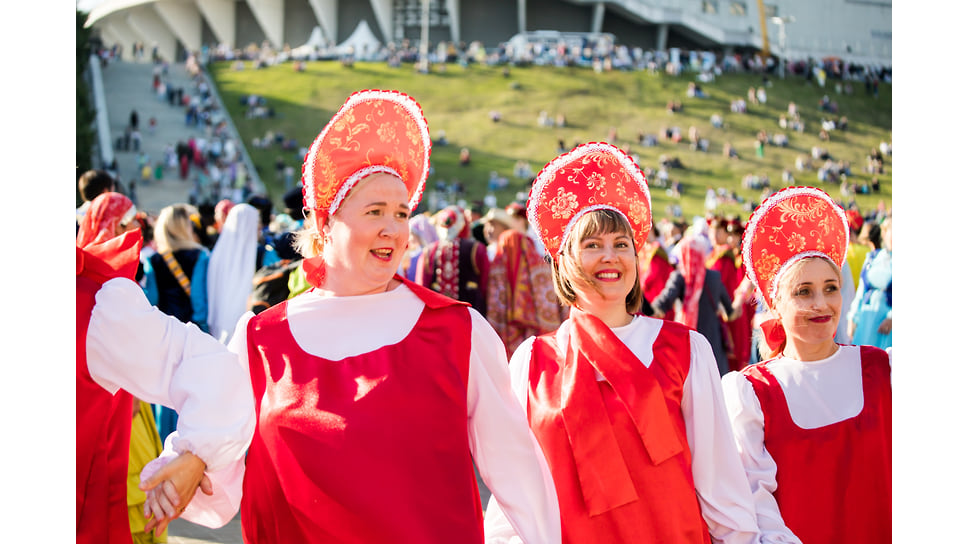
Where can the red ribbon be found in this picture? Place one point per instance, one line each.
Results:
(773, 333)
(315, 269)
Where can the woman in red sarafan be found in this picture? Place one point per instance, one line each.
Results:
(812, 422)
(375, 397)
(627, 408)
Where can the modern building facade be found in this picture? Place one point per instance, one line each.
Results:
(854, 30)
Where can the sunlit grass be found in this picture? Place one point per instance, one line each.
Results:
(458, 101)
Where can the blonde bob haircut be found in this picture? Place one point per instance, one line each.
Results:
(174, 229)
(566, 269)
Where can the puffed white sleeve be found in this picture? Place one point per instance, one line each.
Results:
(220, 507)
(507, 454)
(132, 345)
(724, 497)
(746, 417)
(497, 527)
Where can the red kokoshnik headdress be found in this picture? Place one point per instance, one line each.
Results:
(373, 131)
(792, 224)
(592, 176)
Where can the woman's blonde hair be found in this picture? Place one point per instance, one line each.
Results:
(568, 266)
(308, 241)
(173, 229)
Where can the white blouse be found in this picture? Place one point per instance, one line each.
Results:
(818, 393)
(724, 497)
(505, 451)
(132, 345)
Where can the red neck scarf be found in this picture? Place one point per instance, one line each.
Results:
(602, 471)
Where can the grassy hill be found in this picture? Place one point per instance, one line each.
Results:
(459, 101)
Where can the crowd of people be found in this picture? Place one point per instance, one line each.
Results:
(597, 51)
(207, 155)
(570, 348)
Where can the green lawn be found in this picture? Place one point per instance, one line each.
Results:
(459, 100)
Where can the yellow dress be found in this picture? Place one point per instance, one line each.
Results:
(856, 253)
(145, 446)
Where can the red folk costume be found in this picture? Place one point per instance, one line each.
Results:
(310, 421)
(741, 328)
(126, 348)
(815, 435)
(833, 483)
(103, 419)
(521, 300)
(455, 265)
(377, 440)
(611, 425)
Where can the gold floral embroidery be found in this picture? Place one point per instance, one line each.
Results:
(413, 133)
(344, 122)
(799, 212)
(387, 133)
(596, 183)
(620, 184)
(767, 264)
(639, 212)
(796, 242)
(599, 158)
(564, 204)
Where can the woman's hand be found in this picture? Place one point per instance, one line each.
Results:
(885, 327)
(171, 488)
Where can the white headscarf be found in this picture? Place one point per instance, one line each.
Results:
(231, 269)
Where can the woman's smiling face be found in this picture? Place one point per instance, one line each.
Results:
(367, 237)
(609, 263)
(809, 303)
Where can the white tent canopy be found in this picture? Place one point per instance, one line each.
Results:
(362, 43)
(317, 45)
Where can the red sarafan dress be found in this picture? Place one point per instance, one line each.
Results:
(655, 273)
(103, 419)
(368, 449)
(617, 448)
(833, 483)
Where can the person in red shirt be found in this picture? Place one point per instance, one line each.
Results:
(813, 422)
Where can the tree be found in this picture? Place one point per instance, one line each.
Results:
(84, 143)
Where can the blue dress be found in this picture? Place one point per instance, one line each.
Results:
(872, 302)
